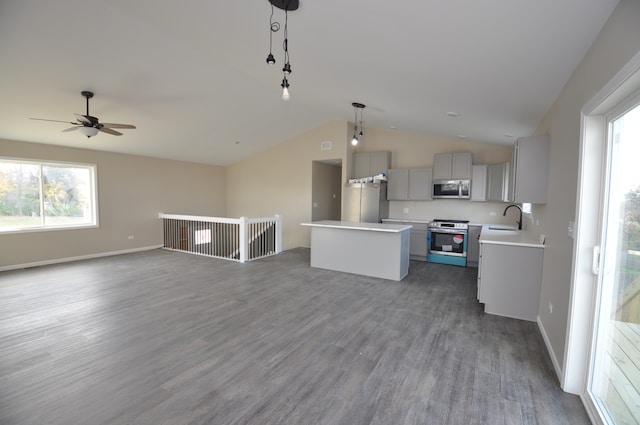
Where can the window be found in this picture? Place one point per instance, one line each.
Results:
(46, 195)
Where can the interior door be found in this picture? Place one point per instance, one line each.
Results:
(614, 380)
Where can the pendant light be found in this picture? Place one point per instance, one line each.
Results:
(273, 27)
(357, 136)
(285, 88)
(285, 5)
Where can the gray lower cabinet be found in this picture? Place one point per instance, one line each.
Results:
(417, 238)
(418, 242)
(509, 279)
(473, 246)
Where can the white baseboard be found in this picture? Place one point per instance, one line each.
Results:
(81, 257)
(552, 354)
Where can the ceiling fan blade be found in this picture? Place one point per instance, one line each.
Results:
(109, 131)
(113, 125)
(83, 119)
(71, 129)
(43, 119)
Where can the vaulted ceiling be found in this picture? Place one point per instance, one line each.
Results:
(192, 76)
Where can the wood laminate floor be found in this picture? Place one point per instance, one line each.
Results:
(161, 337)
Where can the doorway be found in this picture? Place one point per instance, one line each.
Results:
(326, 190)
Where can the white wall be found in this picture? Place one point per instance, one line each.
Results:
(617, 43)
(278, 180)
(132, 190)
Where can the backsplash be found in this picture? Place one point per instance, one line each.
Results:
(475, 212)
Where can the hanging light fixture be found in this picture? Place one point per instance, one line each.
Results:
(285, 5)
(285, 88)
(273, 27)
(357, 136)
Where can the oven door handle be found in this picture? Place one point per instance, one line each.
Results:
(445, 230)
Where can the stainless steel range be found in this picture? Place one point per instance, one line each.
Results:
(447, 242)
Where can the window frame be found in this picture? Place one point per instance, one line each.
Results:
(93, 188)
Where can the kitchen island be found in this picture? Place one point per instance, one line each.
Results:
(369, 249)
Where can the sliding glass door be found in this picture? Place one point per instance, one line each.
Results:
(614, 383)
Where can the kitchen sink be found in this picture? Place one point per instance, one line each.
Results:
(503, 228)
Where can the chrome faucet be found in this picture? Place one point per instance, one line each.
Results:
(520, 209)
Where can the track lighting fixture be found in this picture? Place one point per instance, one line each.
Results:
(274, 26)
(357, 136)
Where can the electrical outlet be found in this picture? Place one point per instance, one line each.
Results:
(492, 213)
(550, 307)
(570, 228)
(405, 210)
(130, 237)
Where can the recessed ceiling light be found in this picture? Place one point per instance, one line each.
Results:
(393, 127)
(461, 136)
(453, 114)
(508, 135)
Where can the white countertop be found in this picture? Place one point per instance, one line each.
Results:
(373, 227)
(508, 237)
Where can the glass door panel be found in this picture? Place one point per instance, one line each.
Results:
(615, 373)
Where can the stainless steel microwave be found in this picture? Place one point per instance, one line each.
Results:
(458, 189)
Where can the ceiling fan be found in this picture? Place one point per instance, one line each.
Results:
(88, 125)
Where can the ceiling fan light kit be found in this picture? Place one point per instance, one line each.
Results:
(286, 5)
(88, 131)
(89, 125)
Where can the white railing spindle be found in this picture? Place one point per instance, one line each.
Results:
(241, 240)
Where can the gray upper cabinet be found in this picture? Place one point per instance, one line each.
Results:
(367, 164)
(406, 184)
(361, 165)
(380, 162)
(420, 184)
(530, 170)
(498, 182)
(398, 184)
(479, 183)
(452, 166)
